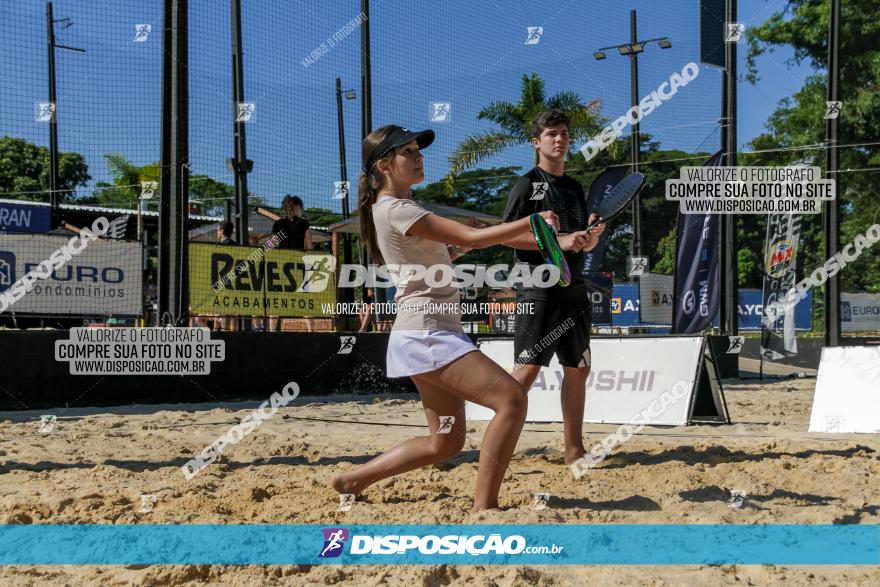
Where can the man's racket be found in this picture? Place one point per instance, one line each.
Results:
(618, 198)
(545, 237)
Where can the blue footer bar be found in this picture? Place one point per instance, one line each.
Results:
(622, 544)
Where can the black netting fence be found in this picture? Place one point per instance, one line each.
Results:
(475, 73)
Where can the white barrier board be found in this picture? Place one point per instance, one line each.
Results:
(847, 397)
(629, 376)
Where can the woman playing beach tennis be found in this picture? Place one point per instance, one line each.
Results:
(427, 342)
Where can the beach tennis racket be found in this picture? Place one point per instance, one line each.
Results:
(545, 238)
(618, 198)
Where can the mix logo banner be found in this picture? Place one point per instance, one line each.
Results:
(598, 190)
(780, 260)
(230, 280)
(628, 375)
(860, 312)
(101, 279)
(697, 275)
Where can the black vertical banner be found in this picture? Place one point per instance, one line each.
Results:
(697, 287)
(780, 259)
(600, 186)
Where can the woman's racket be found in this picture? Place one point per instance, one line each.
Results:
(618, 198)
(545, 237)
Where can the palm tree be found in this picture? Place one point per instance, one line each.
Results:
(515, 121)
(127, 177)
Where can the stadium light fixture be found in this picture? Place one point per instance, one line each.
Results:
(632, 50)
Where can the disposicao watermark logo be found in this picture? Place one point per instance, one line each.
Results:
(442, 275)
(625, 432)
(250, 423)
(646, 105)
(334, 540)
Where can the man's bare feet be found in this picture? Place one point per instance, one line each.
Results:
(573, 454)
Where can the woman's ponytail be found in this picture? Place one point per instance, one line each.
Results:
(369, 184)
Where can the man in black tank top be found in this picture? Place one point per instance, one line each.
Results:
(564, 309)
(293, 230)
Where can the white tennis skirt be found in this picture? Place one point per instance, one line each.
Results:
(411, 352)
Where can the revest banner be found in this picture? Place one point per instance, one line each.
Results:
(229, 280)
(102, 278)
(627, 377)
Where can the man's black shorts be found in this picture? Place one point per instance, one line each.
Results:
(558, 323)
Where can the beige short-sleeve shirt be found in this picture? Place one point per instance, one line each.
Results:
(420, 306)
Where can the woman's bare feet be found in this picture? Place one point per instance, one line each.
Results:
(343, 484)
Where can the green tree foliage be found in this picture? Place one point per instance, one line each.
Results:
(24, 171)
(798, 121)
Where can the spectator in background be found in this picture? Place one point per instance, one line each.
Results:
(293, 230)
(224, 237)
(224, 233)
(367, 310)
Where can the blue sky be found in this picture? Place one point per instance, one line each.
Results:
(462, 52)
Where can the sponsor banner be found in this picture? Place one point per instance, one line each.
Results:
(656, 298)
(860, 312)
(228, 280)
(780, 259)
(847, 398)
(628, 375)
(600, 287)
(697, 274)
(101, 278)
(625, 305)
(751, 310)
(366, 544)
(21, 218)
(598, 189)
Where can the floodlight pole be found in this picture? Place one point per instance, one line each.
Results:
(240, 166)
(343, 176)
(632, 49)
(729, 295)
(831, 217)
(54, 179)
(636, 245)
